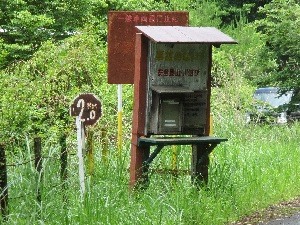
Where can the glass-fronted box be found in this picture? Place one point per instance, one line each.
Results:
(176, 110)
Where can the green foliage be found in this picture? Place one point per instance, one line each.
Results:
(257, 167)
(232, 92)
(237, 9)
(3, 54)
(280, 29)
(37, 93)
(243, 55)
(205, 14)
(201, 12)
(234, 67)
(27, 24)
(247, 173)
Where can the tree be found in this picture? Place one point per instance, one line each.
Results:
(234, 9)
(3, 54)
(25, 24)
(280, 29)
(35, 94)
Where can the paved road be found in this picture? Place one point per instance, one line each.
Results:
(290, 220)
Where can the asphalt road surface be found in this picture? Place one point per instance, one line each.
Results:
(288, 220)
(284, 213)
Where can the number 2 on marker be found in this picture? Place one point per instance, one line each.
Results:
(80, 104)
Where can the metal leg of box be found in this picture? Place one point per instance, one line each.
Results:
(141, 157)
(200, 162)
(146, 164)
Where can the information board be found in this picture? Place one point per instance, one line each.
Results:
(179, 65)
(121, 39)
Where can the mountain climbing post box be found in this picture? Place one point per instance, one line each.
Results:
(178, 78)
(177, 93)
(172, 88)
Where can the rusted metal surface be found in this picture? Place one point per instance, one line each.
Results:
(138, 122)
(181, 34)
(121, 39)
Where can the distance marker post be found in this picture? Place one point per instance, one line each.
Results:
(87, 109)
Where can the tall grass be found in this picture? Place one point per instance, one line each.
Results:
(258, 166)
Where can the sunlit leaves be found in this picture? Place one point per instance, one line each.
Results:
(281, 28)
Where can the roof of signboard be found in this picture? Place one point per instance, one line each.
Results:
(180, 34)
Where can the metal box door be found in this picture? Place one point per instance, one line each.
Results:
(170, 116)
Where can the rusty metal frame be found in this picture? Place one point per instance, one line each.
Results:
(121, 38)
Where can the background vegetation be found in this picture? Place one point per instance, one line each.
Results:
(51, 51)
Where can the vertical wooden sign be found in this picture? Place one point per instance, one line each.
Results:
(121, 39)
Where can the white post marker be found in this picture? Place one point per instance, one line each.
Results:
(80, 140)
(87, 109)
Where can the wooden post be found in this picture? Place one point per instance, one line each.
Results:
(104, 144)
(200, 159)
(63, 164)
(174, 157)
(200, 162)
(3, 183)
(175, 161)
(38, 165)
(138, 174)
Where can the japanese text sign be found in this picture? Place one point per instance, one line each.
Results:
(184, 65)
(121, 39)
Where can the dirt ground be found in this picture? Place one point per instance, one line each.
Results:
(272, 213)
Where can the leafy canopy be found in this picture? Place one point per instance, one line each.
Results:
(26, 24)
(281, 33)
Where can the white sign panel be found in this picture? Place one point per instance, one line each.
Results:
(179, 65)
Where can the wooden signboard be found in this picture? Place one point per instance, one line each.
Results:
(121, 39)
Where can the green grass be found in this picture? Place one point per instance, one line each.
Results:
(257, 167)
